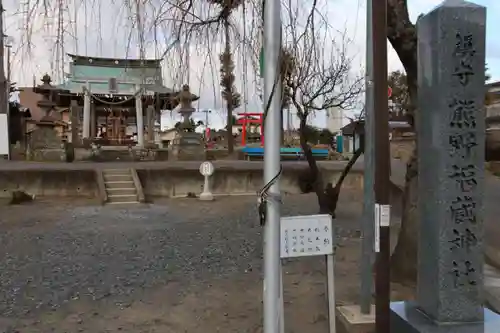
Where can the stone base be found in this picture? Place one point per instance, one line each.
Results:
(47, 155)
(353, 321)
(406, 317)
(206, 196)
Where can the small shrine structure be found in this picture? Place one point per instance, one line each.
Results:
(107, 98)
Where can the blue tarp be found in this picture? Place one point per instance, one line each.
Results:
(260, 150)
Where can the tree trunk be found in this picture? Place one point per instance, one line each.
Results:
(229, 102)
(282, 133)
(404, 258)
(403, 38)
(315, 175)
(328, 195)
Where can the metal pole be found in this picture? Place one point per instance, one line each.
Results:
(7, 92)
(368, 222)
(3, 82)
(382, 162)
(272, 45)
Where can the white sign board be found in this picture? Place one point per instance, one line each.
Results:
(4, 135)
(309, 235)
(206, 169)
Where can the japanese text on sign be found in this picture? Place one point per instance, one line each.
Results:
(462, 140)
(306, 236)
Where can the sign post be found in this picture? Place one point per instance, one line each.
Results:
(206, 169)
(304, 236)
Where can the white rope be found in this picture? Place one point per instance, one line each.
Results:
(112, 103)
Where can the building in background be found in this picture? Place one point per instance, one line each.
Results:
(334, 119)
(493, 99)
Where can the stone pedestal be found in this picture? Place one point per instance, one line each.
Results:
(44, 144)
(354, 321)
(206, 196)
(408, 318)
(187, 146)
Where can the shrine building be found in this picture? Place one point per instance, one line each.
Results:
(112, 102)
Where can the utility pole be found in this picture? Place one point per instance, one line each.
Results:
(382, 165)
(368, 226)
(3, 80)
(7, 92)
(272, 124)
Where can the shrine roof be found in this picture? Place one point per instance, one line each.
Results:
(113, 62)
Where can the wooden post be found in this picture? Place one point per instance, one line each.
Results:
(74, 121)
(93, 121)
(150, 120)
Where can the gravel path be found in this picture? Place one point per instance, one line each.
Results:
(52, 255)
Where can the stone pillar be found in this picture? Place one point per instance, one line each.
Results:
(75, 120)
(451, 149)
(139, 117)
(150, 120)
(93, 121)
(86, 112)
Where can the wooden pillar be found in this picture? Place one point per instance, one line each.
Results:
(93, 121)
(75, 120)
(139, 117)
(150, 121)
(86, 112)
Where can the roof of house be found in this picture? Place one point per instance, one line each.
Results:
(352, 127)
(493, 84)
(359, 126)
(29, 99)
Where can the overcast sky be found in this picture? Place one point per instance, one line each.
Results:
(104, 29)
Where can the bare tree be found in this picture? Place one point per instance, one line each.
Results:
(318, 76)
(188, 22)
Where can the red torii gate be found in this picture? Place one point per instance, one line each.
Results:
(247, 120)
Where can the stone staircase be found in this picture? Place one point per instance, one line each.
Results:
(120, 187)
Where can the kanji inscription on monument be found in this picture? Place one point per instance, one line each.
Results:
(451, 161)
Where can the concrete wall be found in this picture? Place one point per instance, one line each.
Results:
(165, 181)
(174, 183)
(50, 183)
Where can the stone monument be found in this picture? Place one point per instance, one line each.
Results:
(187, 145)
(451, 134)
(44, 142)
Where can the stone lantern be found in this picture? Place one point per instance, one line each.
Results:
(187, 145)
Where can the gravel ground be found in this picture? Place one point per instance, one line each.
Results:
(69, 267)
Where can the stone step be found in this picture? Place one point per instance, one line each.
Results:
(121, 190)
(123, 203)
(122, 198)
(119, 184)
(123, 171)
(118, 177)
(118, 170)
